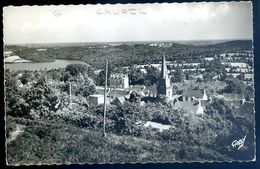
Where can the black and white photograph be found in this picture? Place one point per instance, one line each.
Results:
(129, 83)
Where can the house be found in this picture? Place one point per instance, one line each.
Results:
(248, 77)
(118, 100)
(114, 96)
(95, 100)
(233, 99)
(200, 109)
(119, 80)
(149, 91)
(233, 96)
(196, 107)
(193, 94)
(196, 77)
(19, 83)
(111, 92)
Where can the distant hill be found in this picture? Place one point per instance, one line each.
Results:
(127, 54)
(241, 44)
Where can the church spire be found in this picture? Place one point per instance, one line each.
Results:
(164, 88)
(164, 68)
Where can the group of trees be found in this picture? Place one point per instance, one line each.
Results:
(206, 137)
(35, 94)
(135, 74)
(235, 85)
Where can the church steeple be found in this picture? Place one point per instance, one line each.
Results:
(164, 68)
(164, 88)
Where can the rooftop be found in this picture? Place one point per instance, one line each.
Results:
(193, 93)
(112, 92)
(96, 95)
(233, 96)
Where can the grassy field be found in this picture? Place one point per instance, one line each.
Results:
(45, 143)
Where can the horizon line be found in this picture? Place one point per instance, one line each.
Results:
(28, 43)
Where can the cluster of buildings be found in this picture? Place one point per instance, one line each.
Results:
(192, 99)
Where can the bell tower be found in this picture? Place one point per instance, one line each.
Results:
(164, 88)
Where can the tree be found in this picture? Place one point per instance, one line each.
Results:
(15, 104)
(250, 62)
(100, 79)
(178, 76)
(249, 92)
(152, 75)
(136, 76)
(81, 85)
(26, 77)
(122, 118)
(234, 85)
(75, 69)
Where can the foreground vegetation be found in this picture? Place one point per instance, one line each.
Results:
(69, 140)
(59, 132)
(60, 127)
(48, 143)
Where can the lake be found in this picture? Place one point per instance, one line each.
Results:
(58, 63)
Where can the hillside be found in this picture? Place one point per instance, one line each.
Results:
(128, 54)
(49, 143)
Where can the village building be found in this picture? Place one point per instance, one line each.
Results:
(119, 80)
(248, 76)
(148, 91)
(118, 100)
(194, 94)
(234, 99)
(114, 96)
(200, 109)
(113, 92)
(231, 99)
(196, 107)
(119, 90)
(95, 100)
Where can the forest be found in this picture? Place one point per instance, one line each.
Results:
(127, 54)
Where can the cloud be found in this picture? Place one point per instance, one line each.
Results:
(176, 21)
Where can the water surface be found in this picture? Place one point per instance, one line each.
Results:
(58, 63)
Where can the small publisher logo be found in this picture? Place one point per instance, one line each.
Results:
(238, 143)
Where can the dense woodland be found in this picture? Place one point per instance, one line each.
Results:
(128, 54)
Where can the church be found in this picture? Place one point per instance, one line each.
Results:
(161, 91)
(119, 88)
(164, 87)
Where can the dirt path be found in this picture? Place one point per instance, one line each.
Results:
(13, 135)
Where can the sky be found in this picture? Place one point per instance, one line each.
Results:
(131, 22)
